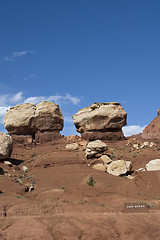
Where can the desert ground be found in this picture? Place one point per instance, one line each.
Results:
(44, 194)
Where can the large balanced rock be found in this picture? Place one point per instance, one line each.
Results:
(152, 131)
(101, 121)
(48, 117)
(153, 165)
(27, 122)
(5, 146)
(20, 119)
(119, 167)
(95, 148)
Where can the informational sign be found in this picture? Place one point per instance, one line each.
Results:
(135, 208)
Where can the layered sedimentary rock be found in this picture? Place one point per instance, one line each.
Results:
(5, 146)
(27, 122)
(101, 121)
(152, 131)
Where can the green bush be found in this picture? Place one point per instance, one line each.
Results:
(91, 182)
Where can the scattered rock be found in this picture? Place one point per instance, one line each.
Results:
(141, 170)
(119, 167)
(105, 159)
(24, 168)
(145, 144)
(9, 164)
(153, 165)
(152, 144)
(101, 121)
(5, 146)
(130, 177)
(72, 147)
(95, 148)
(136, 146)
(100, 167)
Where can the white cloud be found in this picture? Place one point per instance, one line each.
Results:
(67, 98)
(132, 130)
(15, 55)
(17, 98)
(29, 77)
(8, 100)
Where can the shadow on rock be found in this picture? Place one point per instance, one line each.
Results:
(15, 162)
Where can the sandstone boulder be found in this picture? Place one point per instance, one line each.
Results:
(153, 165)
(105, 159)
(20, 119)
(72, 147)
(100, 167)
(48, 117)
(152, 131)
(95, 148)
(5, 146)
(27, 122)
(101, 121)
(119, 167)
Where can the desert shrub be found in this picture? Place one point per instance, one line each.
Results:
(91, 181)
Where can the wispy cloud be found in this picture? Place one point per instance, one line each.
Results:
(29, 77)
(132, 130)
(15, 55)
(59, 99)
(8, 100)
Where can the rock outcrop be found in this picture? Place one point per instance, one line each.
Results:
(27, 122)
(5, 146)
(152, 131)
(101, 121)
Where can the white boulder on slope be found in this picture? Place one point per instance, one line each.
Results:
(5, 146)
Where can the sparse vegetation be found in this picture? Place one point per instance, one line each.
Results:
(91, 182)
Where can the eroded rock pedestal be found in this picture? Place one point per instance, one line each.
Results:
(152, 131)
(29, 124)
(101, 121)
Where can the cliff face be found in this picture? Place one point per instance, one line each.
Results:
(153, 129)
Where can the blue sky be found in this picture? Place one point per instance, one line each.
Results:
(77, 52)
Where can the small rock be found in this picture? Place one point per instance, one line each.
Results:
(141, 170)
(72, 147)
(9, 164)
(130, 177)
(145, 144)
(136, 146)
(105, 159)
(100, 167)
(152, 144)
(153, 165)
(24, 168)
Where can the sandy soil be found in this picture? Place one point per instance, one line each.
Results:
(63, 206)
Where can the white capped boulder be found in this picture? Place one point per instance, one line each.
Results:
(101, 121)
(153, 165)
(95, 147)
(5, 146)
(119, 167)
